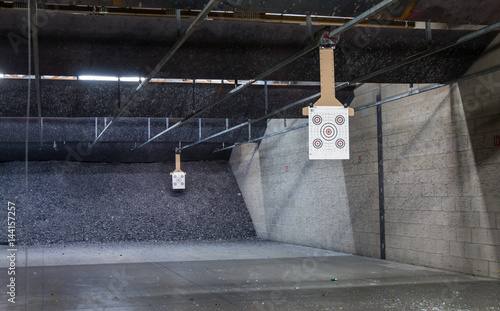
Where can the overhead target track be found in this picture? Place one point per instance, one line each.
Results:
(378, 103)
(309, 47)
(407, 61)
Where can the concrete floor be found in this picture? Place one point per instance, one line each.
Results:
(233, 276)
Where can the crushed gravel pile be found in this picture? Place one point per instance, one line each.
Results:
(103, 202)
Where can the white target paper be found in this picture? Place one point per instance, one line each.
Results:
(328, 133)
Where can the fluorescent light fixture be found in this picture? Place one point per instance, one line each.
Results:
(97, 78)
(130, 79)
(1, 75)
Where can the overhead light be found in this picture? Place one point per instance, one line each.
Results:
(97, 78)
(130, 79)
(1, 75)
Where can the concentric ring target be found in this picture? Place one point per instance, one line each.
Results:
(339, 120)
(328, 131)
(340, 143)
(317, 120)
(317, 143)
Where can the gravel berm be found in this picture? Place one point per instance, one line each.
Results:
(116, 202)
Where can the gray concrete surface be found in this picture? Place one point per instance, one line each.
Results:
(235, 276)
(441, 178)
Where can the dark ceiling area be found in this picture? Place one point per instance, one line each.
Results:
(238, 40)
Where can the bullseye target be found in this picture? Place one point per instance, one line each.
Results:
(328, 132)
(179, 180)
(317, 143)
(317, 119)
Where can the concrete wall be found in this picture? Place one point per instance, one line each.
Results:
(442, 178)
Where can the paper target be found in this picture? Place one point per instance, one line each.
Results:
(328, 133)
(178, 180)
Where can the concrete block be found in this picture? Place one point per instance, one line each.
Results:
(448, 203)
(463, 204)
(480, 267)
(448, 233)
(478, 204)
(435, 204)
(494, 269)
(464, 234)
(472, 251)
(480, 235)
(498, 220)
(429, 245)
(432, 260)
(459, 264)
(416, 244)
(487, 220)
(442, 247)
(457, 249)
(440, 189)
(427, 190)
(490, 252)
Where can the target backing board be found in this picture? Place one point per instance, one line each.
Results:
(328, 133)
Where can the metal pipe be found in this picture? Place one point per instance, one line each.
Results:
(236, 90)
(429, 88)
(470, 76)
(421, 55)
(381, 197)
(263, 137)
(309, 47)
(36, 61)
(303, 101)
(363, 16)
(295, 19)
(162, 63)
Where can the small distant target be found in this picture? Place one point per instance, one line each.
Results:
(317, 120)
(340, 143)
(317, 143)
(328, 131)
(340, 120)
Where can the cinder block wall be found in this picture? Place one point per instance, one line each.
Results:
(326, 204)
(442, 178)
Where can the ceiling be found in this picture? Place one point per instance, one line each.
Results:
(239, 40)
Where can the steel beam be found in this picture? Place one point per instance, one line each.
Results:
(36, 60)
(363, 16)
(223, 16)
(309, 47)
(429, 88)
(303, 101)
(381, 194)
(201, 16)
(315, 96)
(378, 103)
(421, 55)
(264, 137)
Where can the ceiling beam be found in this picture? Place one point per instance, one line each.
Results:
(423, 54)
(218, 16)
